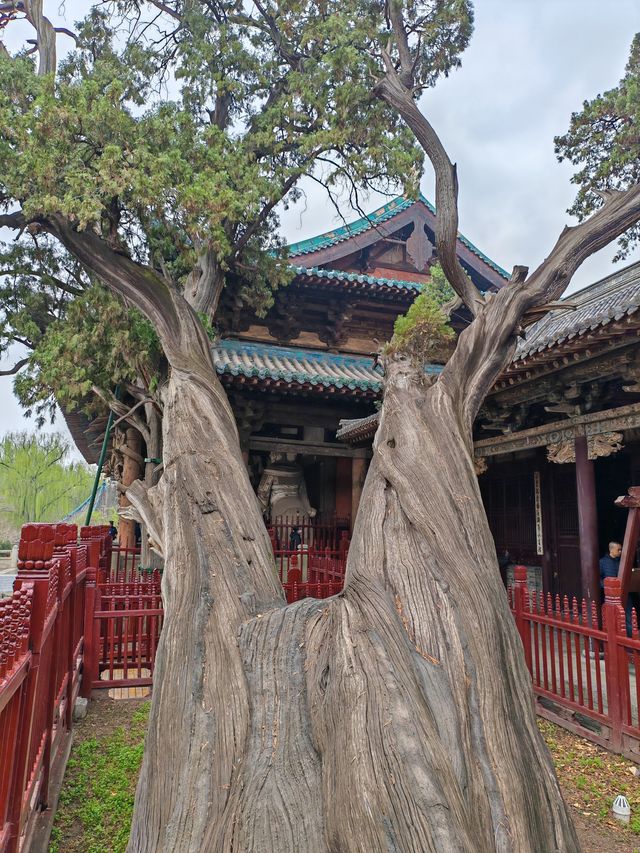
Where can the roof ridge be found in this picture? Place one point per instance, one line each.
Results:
(604, 301)
(377, 217)
(233, 344)
(592, 291)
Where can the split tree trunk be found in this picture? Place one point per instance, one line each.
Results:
(396, 716)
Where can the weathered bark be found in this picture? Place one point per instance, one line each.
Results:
(398, 715)
(429, 729)
(152, 468)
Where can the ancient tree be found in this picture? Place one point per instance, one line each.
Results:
(398, 715)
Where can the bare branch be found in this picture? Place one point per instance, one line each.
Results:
(15, 220)
(204, 284)
(519, 275)
(65, 32)
(150, 293)
(620, 212)
(406, 63)
(127, 415)
(163, 7)
(16, 367)
(485, 348)
(146, 507)
(124, 413)
(46, 35)
(395, 93)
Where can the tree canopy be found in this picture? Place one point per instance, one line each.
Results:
(604, 141)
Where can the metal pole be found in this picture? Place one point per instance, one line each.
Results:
(103, 453)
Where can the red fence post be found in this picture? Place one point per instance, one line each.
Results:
(15, 658)
(612, 620)
(66, 536)
(35, 567)
(91, 637)
(521, 607)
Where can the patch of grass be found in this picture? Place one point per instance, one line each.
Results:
(593, 761)
(591, 778)
(96, 801)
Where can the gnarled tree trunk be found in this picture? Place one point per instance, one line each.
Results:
(397, 715)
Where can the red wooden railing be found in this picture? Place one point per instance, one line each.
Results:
(307, 572)
(583, 666)
(83, 616)
(127, 625)
(317, 533)
(41, 646)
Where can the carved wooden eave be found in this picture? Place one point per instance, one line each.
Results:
(602, 317)
(599, 366)
(569, 353)
(593, 424)
(87, 433)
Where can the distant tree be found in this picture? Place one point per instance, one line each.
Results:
(603, 139)
(37, 483)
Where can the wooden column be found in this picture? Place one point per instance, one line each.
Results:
(131, 471)
(343, 487)
(587, 522)
(358, 473)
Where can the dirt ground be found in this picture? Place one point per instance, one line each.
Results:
(590, 778)
(100, 781)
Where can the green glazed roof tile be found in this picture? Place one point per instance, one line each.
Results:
(387, 211)
(342, 275)
(299, 366)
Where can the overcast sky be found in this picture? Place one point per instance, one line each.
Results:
(530, 64)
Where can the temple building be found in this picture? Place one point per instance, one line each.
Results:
(557, 439)
(293, 376)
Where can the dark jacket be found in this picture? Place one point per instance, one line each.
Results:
(608, 568)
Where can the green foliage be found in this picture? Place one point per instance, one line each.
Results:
(261, 95)
(424, 331)
(163, 178)
(98, 341)
(37, 282)
(35, 482)
(604, 140)
(96, 801)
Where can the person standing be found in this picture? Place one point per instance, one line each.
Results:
(295, 540)
(610, 568)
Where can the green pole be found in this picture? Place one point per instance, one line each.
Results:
(103, 453)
